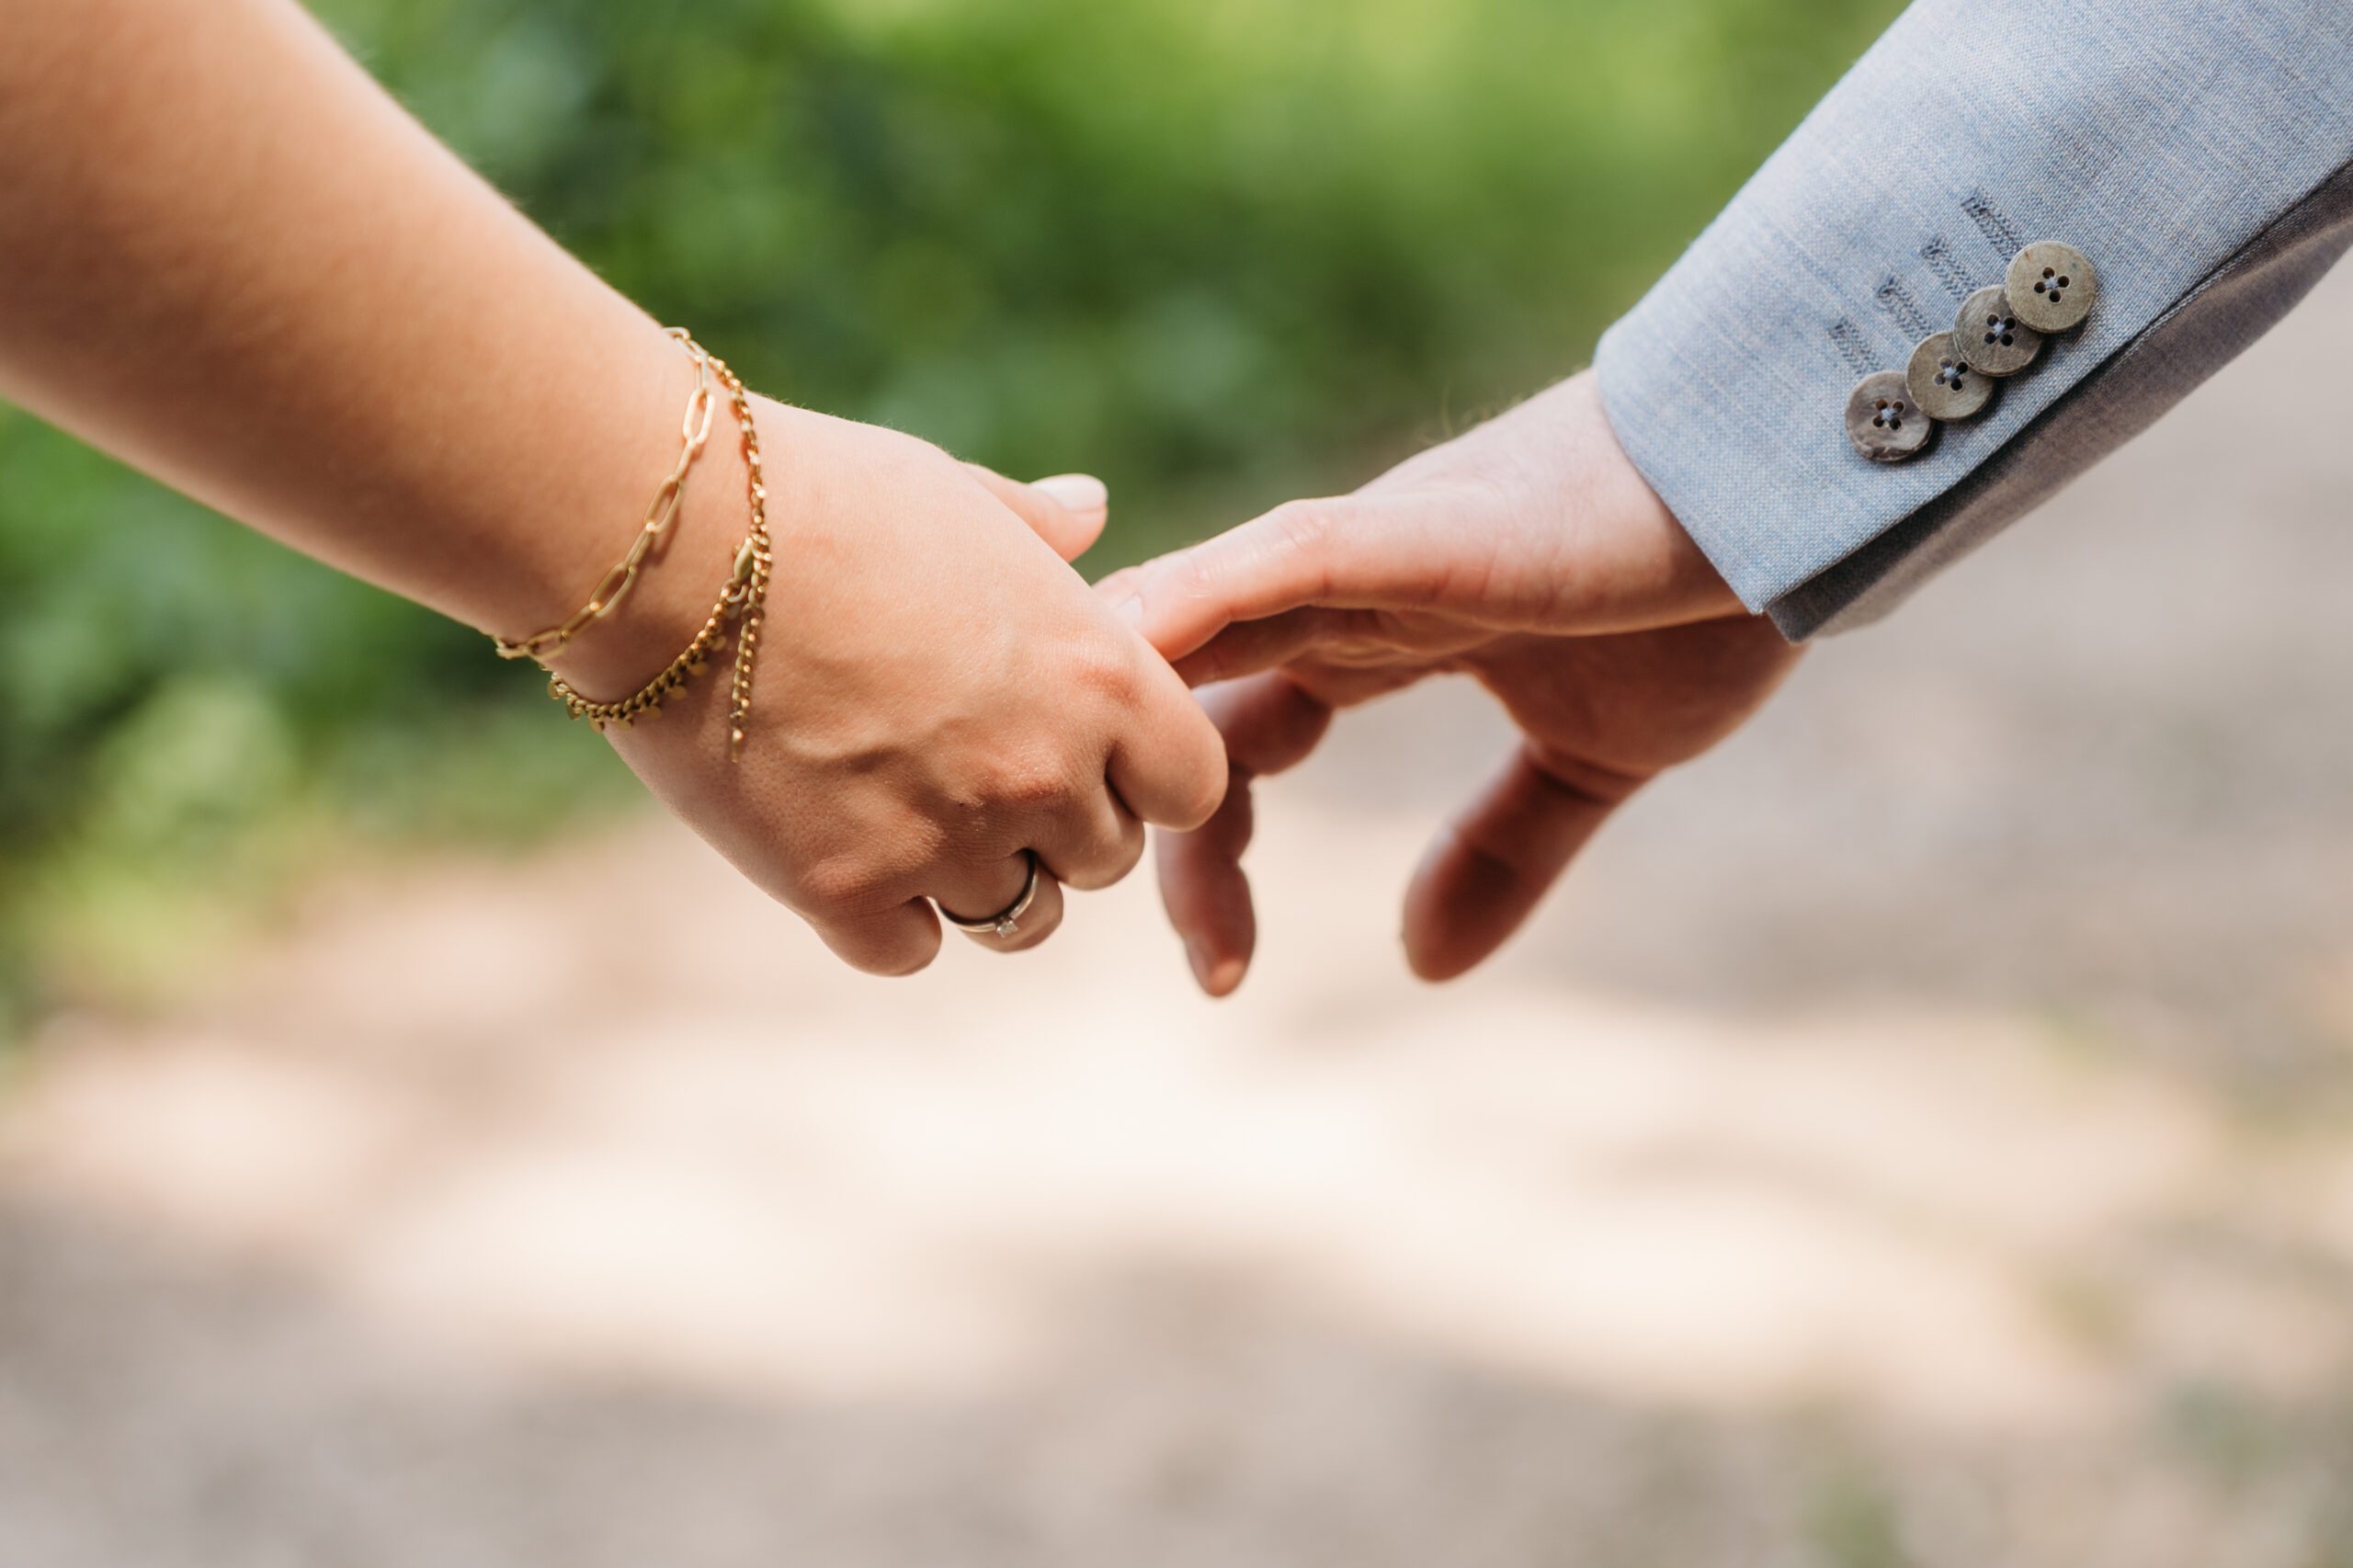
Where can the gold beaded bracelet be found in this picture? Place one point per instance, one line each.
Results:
(693, 429)
(744, 600)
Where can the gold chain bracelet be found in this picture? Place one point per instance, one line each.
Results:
(744, 600)
(694, 430)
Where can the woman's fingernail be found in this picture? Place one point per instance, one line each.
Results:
(1078, 492)
(1226, 977)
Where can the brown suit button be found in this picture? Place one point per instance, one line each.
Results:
(1993, 338)
(1884, 422)
(2051, 286)
(1941, 382)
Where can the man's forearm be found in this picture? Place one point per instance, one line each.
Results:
(231, 259)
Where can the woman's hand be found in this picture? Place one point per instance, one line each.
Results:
(937, 691)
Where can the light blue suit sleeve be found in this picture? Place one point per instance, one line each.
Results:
(2200, 151)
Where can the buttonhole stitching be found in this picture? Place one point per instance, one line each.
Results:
(1848, 339)
(1993, 225)
(1897, 301)
(1938, 254)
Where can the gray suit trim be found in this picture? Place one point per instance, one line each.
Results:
(2194, 151)
(2232, 307)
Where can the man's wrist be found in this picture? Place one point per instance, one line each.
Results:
(1684, 583)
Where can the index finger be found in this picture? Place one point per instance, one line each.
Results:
(1349, 552)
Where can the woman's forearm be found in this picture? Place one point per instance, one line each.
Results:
(228, 257)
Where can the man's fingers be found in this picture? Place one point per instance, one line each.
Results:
(1207, 894)
(1067, 511)
(1333, 643)
(1268, 724)
(1252, 647)
(1347, 552)
(1490, 867)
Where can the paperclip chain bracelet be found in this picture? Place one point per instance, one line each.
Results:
(694, 430)
(744, 602)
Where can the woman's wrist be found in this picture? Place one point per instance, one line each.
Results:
(674, 592)
(676, 587)
(666, 425)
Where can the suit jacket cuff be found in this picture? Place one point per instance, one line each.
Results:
(2161, 136)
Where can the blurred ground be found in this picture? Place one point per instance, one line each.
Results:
(1921, 1134)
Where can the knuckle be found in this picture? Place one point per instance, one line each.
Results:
(1191, 577)
(1163, 582)
(1103, 668)
(841, 887)
(1303, 525)
(1025, 782)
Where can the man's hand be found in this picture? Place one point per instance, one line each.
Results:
(1529, 554)
(1535, 521)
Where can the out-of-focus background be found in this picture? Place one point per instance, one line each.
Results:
(1223, 252)
(1920, 1134)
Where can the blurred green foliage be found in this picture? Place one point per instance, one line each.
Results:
(1218, 251)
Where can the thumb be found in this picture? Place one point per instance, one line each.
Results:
(1489, 868)
(1355, 551)
(1067, 511)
